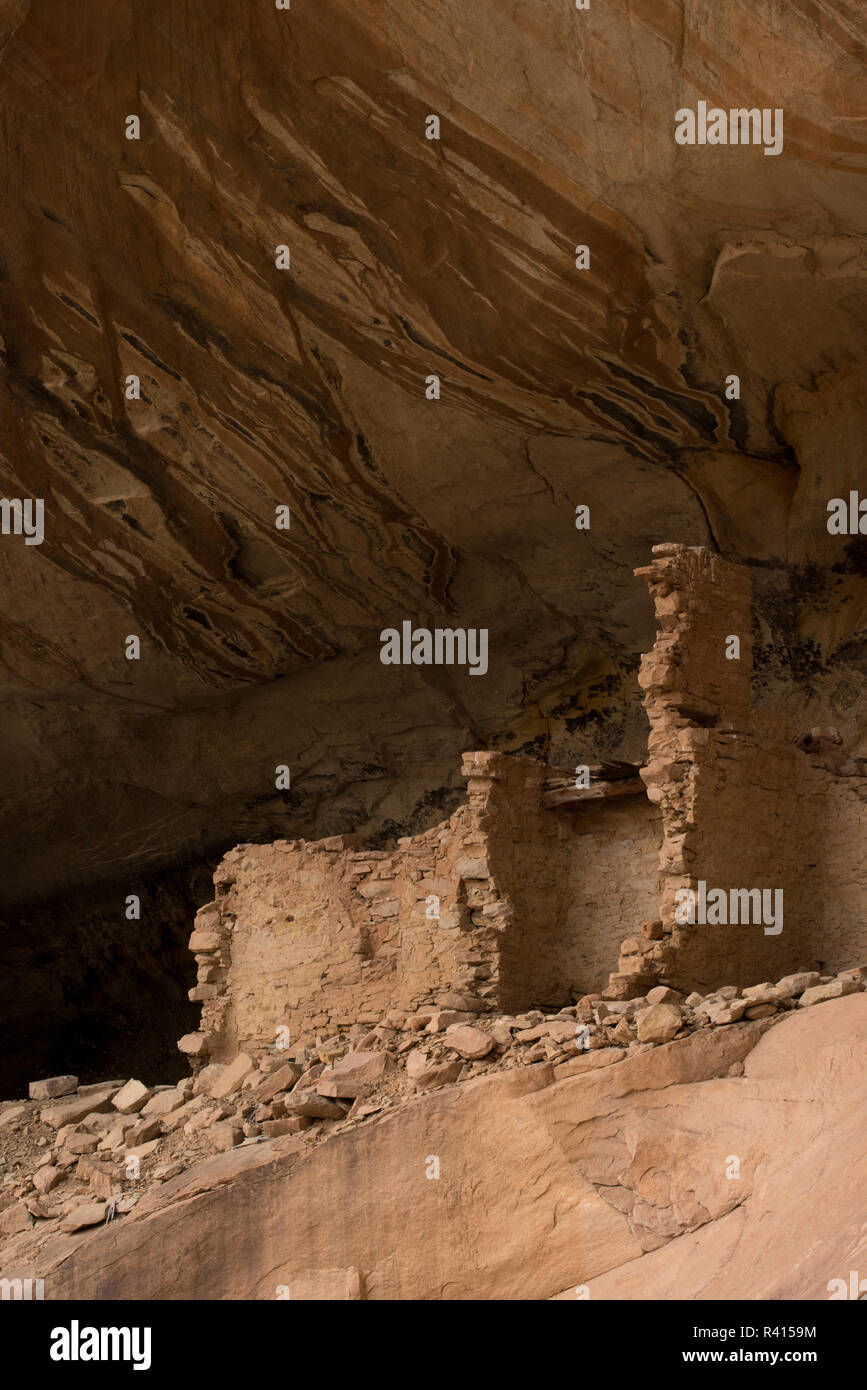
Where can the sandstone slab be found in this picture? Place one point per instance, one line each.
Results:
(131, 1097)
(472, 1043)
(233, 1076)
(52, 1087)
(88, 1214)
(71, 1112)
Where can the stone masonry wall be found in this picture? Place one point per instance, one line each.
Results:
(316, 935)
(530, 904)
(567, 879)
(614, 883)
(742, 805)
(509, 905)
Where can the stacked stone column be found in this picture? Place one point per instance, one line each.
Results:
(698, 703)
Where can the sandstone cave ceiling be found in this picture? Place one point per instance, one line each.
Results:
(261, 387)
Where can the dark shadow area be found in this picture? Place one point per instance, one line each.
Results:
(87, 991)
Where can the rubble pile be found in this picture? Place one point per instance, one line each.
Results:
(79, 1156)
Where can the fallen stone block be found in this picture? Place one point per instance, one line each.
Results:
(562, 1031)
(203, 1119)
(163, 1103)
(72, 1112)
(143, 1151)
(205, 1079)
(117, 1134)
(81, 1144)
(359, 1110)
(620, 1008)
(345, 1090)
(835, 989)
(131, 1097)
(791, 985)
(367, 1067)
(420, 1019)
(658, 1023)
(307, 1078)
(623, 1032)
(291, 1124)
(14, 1219)
(40, 1209)
(100, 1178)
(144, 1131)
(44, 1179)
(177, 1118)
(164, 1171)
(88, 1214)
(766, 993)
(760, 1011)
(52, 1087)
(283, 1079)
(472, 1043)
(99, 1122)
(661, 994)
(466, 1003)
(316, 1106)
(446, 1018)
(233, 1076)
(725, 1010)
(427, 1075)
(225, 1137)
(11, 1114)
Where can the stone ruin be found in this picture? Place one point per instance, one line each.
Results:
(520, 899)
(337, 983)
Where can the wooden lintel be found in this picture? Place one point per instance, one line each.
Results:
(562, 792)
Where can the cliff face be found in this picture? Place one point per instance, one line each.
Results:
(263, 387)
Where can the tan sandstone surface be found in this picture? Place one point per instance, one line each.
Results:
(615, 1181)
